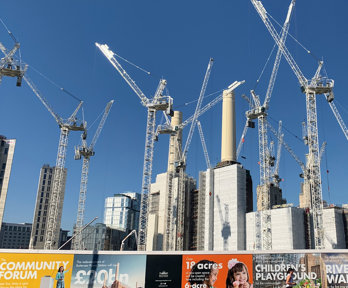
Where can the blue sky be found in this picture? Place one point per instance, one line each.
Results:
(173, 40)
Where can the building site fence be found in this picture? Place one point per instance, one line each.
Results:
(191, 269)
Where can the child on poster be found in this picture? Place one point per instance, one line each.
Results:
(237, 275)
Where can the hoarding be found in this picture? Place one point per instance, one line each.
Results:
(33, 270)
(100, 270)
(270, 270)
(133, 270)
(336, 270)
(163, 271)
(217, 270)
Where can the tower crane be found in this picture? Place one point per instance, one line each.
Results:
(260, 112)
(174, 132)
(53, 223)
(87, 152)
(11, 67)
(182, 164)
(158, 103)
(311, 87)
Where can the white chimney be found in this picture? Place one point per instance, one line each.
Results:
(228, 131)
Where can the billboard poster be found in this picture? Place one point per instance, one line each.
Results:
(108, 271)
(217, 271)
(34, 270)
(336, 270)
(163, 271)
(271, 270)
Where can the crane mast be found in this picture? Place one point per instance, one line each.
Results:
(182, 164)
(53, 218)
(317, 85)
(258, 111)
(157, 103)
(87, 152)
(204, 146)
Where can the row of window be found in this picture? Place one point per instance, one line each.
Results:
(16, 228)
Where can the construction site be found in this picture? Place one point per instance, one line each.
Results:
(229, 204)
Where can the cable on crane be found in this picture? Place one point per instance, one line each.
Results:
(193, 101)
(131, 63)
(98, 117)
(55, 84)
(298, 42)
(284, 127)
(264, 67)
(9, 32)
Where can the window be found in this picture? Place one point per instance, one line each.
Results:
(39, 214)
(38, 219)
(41, 194)
(45, 208)
(44, 182)
(40, 200)
(6, 151)
(41, 238)
(3, 166)
(43, 188)
(44, 177)
(10, 228)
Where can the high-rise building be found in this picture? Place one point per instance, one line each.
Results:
(7, 147)
(15, 236)
(225, 192)
(225, 196)
(158, 212)
(93, 237)
(42, 206)
(122, 211)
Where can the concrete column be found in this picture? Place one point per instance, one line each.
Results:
(228, 131)
(175, 142)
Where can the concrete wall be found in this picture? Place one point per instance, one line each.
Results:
(229, 208)
(334, 236)
(288, 230)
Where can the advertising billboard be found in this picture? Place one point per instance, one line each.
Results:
(108, 271)
(34, 270)
(163, 271)
(271, 270)
(217, 270)
(336, 270)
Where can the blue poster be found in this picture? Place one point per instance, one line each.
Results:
(108, 271)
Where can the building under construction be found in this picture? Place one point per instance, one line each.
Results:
(43, 206)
